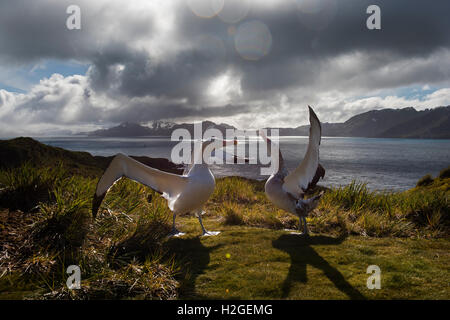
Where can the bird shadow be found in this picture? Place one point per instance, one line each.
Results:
(302, 254)
(193, 259)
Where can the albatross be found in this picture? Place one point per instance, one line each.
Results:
(287, 190)
(186, 193)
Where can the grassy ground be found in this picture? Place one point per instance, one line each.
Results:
(258, 263)
(46, 225)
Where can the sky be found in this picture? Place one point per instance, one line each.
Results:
(247, 63)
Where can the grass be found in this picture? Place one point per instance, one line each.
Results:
(15, 152)
(45, 226)
(120, 254)
(419, 212)
(257, 263)
(445, 173)
(241, 201)
(425, 181)
(25, 187)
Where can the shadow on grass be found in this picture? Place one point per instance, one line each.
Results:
(302, 254)
(193, 257)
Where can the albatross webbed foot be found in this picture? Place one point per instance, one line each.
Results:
(300, 234)
(176, 233)
(205, 233)
(210, 233)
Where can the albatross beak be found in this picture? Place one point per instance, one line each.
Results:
(230, 142)
(235, 158)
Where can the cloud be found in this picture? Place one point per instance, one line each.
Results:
(151, 60)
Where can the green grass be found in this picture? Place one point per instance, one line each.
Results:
(45, 226)
(425, 181)
(445, 173)
(25, 187)
(120, 254)
(419, 212)
(258, 263)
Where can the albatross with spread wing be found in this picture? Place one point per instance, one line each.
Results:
(184, 193)
(286, 190)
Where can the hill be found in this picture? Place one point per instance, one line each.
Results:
(385, 123)
(15, 152)
(388, 123)
(157, 128)
(425, 124)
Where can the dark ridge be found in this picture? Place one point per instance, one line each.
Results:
(15, 152)
(387, 123)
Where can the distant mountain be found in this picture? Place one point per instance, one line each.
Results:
(385, 123)
(433, 124)
(155, 128)
(126, 129)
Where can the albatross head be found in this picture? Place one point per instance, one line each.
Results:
(224, 143)
(207, 147)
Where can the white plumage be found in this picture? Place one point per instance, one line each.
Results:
(286, 190)
(184, 193)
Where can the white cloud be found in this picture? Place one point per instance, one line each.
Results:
(152, 60)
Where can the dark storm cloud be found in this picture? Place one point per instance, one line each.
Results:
(409, 29)
(35, 30)
(185, 75)
(300, 50)
(146, 112)
(310, 55)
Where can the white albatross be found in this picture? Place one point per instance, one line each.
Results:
(185, 193)
(287, 190)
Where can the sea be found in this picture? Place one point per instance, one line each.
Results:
(383, 164)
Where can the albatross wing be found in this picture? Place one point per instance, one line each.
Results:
(169, 184)
(281, 169)
(299, 180)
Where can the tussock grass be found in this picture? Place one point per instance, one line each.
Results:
(416, 212)
(241, 201)
(419, 212)
(445, 173)
(124, 252)
(238, 189)
(25, 187)
(357, 197)
(425, 181)
(63, 223)
(152, 279)
(120, 254)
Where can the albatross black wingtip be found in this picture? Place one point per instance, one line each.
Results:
(313, 116)
(312, 113)
(96, 202)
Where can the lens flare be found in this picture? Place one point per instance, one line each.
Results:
(253, 40)
(205, 8)
(316, 14)
(234, 11)
(310, 6)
